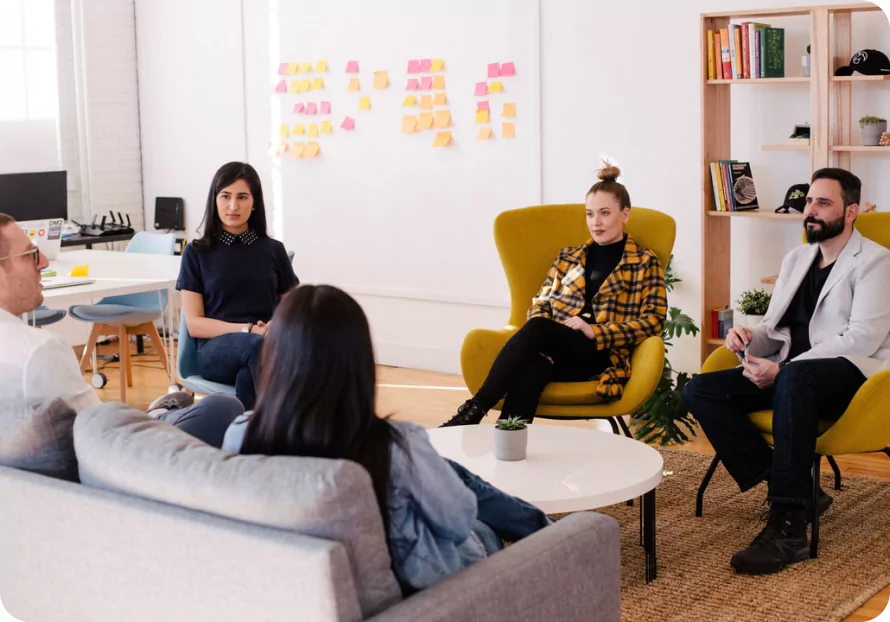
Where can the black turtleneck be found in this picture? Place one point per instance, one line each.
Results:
(601, 261)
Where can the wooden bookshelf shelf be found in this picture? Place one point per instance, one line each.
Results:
(786, 147)
(859, 149)
(791, 80)
(798, 11)
(757, 215)
(716, 342)
(860, 78)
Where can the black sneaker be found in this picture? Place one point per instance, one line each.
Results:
(822, 505)
(470, 413)
(782, 542)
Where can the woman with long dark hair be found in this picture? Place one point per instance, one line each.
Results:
(231, 279)
(317, 398)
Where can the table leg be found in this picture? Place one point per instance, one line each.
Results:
(649, 535)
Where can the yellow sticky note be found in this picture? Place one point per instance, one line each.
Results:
(292, 68)
(281, 148)
(353, 85)
(312, 149)
(508, 131)
(443, 119)
(364, 103)
(297, 150)
(318, 84)
(293, 87)
(306, 68)
(299, 130)
(409, 124)
(83, 270)
(322, 66)
(438, 64)
(426, 102)
(410, 101)
(496, 87)
(284, 132)
(381, 79)
(305, 85)
(425, 121)
(482, 116)
(509, 110)
(326, 127)
(438, 83)
(484, 133)
(440, 100)
(313, 129)
(443, 139)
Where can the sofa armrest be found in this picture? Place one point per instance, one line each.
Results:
(570, 571)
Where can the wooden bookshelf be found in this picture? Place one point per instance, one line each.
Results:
(831, 131)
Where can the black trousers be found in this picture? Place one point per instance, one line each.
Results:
(523, 368)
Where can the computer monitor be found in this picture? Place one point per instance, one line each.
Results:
(35, 196)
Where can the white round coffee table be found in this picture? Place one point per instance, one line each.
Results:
(567, 469)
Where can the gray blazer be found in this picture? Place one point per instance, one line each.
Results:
(852, 316)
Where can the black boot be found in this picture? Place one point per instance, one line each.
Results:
(825, 501)
(470, 413)
(782, 542)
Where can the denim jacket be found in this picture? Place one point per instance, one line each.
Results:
(432, 514)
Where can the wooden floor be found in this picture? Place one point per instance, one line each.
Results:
(429, 398)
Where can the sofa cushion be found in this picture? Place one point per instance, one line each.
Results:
(37, 436)
(121, 449)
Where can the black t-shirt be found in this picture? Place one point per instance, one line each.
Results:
(601, 261)
(241, 278)
(799, 313)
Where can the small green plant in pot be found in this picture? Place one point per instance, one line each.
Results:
(511, 439)
(753, 305)
(872, 128)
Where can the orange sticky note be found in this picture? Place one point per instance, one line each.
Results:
(425, 121)
(508, 130)
(305, 85)
(284, 132)
(306, 68)
(482, 116)
(409, 124)
(83, 270)
(298, 130)
(438, 64)
(353, 85)
(381, 79)
(297, 150)
(364, 103)
(293, 87)
(426, 102)
(282, 147)
(443, 139)
(484, 133)
(318, 84)
(509, 110)
(410, 101)
(438, 83)
(291, 68)
(322, 66)
(313, 129)
(443, 119)
(440, 100)
(326, 127)
(496, 87)
(312, 149)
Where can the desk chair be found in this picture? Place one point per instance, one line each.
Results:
(130, 314)
(187, 366)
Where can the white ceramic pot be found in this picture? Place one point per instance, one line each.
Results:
(510, 445)
(750, 321)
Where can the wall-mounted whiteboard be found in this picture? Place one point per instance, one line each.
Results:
(378, 207)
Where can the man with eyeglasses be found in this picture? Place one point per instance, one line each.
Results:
(38, 365)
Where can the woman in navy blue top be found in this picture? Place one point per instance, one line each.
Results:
(232, 279)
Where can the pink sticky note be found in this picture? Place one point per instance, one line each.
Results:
(426, 83)
(282, 87)
(352, 66)
(311, 108)
(348, 124)
(325, 107)
(425, 65)
(481, 88)
(494, 70)
(298, 108)
(282, 69)
(508, 69)
(413, 66)
(482, 105)
(413, 84)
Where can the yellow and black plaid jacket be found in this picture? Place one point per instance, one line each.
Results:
(630, 306)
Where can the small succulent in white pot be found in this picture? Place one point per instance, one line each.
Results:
(872, 128)
(511, 439)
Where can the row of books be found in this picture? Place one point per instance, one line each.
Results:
(746, 51)
(721, 322)
(733, 185)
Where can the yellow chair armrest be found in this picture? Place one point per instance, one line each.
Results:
(719, 360)
(646, 370)
(865, 425)
(480, 348)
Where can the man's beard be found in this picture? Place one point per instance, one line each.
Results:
(826, 230)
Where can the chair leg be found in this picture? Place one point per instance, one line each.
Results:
(157, 344)
(624, 427)
(837, 472)
(614, 426)
(124, 347)
(814, 535)
(700, 497)
(95, 333)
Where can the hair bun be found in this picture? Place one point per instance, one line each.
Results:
(609, 173)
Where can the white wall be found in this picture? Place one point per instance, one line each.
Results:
(621, 79)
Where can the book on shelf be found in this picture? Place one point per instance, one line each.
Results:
(748, 51)
(733, 186)
(721, 322)
(725, 58)
(772, 53)
(712, 72)
(718, 57)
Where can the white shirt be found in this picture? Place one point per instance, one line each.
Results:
(37, 365)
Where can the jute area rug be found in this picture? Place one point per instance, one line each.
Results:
(695, 581)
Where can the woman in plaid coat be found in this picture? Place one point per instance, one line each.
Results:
(597, 303)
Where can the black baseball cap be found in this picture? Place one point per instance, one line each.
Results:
(795, 199)
(867, 62)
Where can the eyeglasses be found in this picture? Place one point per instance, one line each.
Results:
(31, 251)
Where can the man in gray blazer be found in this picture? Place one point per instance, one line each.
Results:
(826, 331)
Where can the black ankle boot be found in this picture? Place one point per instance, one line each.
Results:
(470, 413)
(782, 542)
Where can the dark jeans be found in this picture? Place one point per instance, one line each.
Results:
(233, 359)
(804, 393)
(207, 419)
(521, 372)
(509, 517)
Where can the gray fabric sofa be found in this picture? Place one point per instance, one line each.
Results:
(163, 527)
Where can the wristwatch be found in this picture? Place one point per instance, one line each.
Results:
(247, 328)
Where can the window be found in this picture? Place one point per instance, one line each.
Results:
(28, 60)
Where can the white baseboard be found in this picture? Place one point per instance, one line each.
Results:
(441, 360)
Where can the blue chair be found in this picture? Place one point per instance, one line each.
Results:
(44, 316)
(131, 314)
(187, 366)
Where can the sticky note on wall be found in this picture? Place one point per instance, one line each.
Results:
(311, 108)
(312, 150)
(438, 83)
(425, 65)
(282, 69)
(313, 129)
(484, 133)
(409, 124)
(298, 108)
(443, 139)
(494, 70)
(381, 79)
(306, 68)
(508, 70)
(413, 84)
(322, 66)
(410, 101)
(297, 149)
(364, 103)
(325, 107)
(326, 127)
(299, 130)
(496, 87)
(482, 116)
(354, 85)
(426, 83)
(426, 102)
(318, 84)
(348, 124)
(284, 131)
(509, 110)
(425, 120)
(305, 85)
(508, 130)
(281, 87)
(294, 87)
(483, 105)
(413, 66)
(352, 66)
(481, 88)
(438, 64)
(442, 119)
(440, 99)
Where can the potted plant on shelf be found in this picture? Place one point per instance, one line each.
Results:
(753, 305)
(872, 128)
(510, 439)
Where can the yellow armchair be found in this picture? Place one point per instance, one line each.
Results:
(863, 426)
(528, 240)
